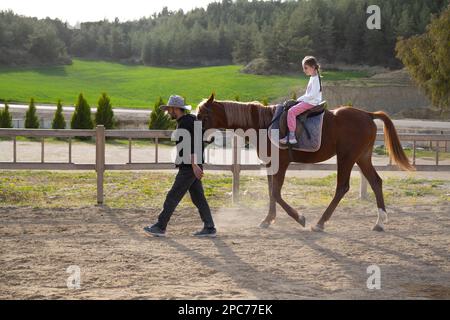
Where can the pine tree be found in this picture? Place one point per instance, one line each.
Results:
(31, 119)
(159, 120)
(58, 120)
(5, 118)
(105, 113)
(81, 118)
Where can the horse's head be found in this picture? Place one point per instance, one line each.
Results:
(212, 114)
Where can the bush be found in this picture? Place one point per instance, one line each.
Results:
(81, 117)
(31, 119)
(159, 120)
(58, 120)
(5, 118)
(105, 113)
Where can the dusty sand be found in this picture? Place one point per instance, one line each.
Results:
(283, 262)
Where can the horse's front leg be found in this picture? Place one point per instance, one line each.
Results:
(270, 218)
(277, 184)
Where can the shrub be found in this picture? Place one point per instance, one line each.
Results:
(31, 119)
(105, 113)
(159, 120)
(58, 120)
(5, 118)
(81, 118)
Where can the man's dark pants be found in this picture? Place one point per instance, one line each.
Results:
(185, 181)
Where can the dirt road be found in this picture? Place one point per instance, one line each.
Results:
(117, 260)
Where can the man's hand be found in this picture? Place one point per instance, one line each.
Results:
(198, 172)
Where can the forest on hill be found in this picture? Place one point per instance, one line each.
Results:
(225, 32)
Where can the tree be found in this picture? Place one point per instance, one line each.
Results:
(146, 56)
(245, 47)
(426, 58)
(105, 113)
(159, 120)
(81, 118)
(44, 43)
(58, 119)
(5, 118)
(31, 119)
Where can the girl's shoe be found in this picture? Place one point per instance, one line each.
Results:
(292, 140)
(284, 140)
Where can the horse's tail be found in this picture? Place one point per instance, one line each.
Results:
(392, 141)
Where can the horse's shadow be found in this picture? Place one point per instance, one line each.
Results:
(262, 285)
(242, 273)
(265, 284)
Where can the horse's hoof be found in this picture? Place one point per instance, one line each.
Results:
(302, 220)
(378, 228)
(264, 224)
(317, 228)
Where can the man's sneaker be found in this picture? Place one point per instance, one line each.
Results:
(206, 232)
(154, 230)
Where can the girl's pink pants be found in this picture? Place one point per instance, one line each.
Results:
(294, 111)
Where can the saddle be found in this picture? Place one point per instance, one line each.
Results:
(301, 118)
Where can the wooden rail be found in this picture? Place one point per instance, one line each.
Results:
(236, 167)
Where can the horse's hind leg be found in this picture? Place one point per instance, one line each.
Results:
(344, 166)
(270, 218)
(278, 180)
(376, 183)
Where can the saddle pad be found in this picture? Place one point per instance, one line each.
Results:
(314, 125)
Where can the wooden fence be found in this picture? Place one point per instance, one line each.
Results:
(236, 167)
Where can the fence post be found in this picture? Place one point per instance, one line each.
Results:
(362, 186)
(235, 168)
(100, 160)
(156, 149)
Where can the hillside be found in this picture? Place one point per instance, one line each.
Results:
(140, 86)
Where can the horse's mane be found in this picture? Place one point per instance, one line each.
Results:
(239, 114)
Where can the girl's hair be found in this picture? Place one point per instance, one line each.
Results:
(312, 62)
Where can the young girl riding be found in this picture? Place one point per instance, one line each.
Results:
(310, 99)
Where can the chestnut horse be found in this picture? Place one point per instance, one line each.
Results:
(347, 132)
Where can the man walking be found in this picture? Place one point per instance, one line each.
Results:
(190, 173)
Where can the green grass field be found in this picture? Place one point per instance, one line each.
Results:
(46, 189)
(140, 86)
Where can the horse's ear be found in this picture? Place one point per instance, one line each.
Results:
(211, 98)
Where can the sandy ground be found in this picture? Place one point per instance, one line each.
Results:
(117, 260)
